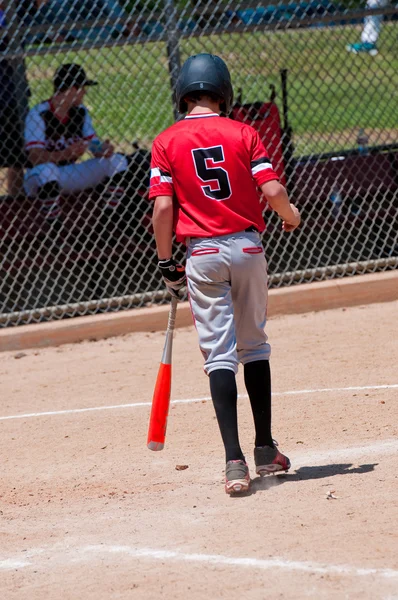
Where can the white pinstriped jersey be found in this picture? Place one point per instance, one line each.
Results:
(43, 129)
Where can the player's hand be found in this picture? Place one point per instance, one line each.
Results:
(107, 149)
(173, 275)
(76, 150)
(293, 222)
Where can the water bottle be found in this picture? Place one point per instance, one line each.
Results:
(362, 141)
(337, 201)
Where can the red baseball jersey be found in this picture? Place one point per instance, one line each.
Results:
(212, 166)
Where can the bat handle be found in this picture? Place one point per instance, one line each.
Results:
(172, 314)
(168, 346)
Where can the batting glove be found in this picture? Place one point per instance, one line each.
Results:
(173, 275)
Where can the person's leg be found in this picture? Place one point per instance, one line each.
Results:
(93, 172)
(85, 175)
(43, 182)
(224, 394)
(209, 288)
(372, 24)
(258, 385)
(116, 182)
(371, 31)
(250, 296)
(225, 398)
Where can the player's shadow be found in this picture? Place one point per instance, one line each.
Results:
(305, 473)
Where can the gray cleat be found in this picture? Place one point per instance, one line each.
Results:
(237, 478)
(270, 460)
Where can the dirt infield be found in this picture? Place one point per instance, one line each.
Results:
(88, 512)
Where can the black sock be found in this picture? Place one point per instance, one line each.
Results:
(225, 398)
(258, 385)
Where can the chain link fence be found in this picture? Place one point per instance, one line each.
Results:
(317, 78)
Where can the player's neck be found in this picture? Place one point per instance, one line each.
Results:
(203, 106)
(60, 106)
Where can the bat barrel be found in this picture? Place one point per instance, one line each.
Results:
(161, 396)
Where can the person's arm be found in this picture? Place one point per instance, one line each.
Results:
(39, 155)
(106, 149)
(162, 221)
(277, 198)
(161, 190)
(268, 181)
(35, 142)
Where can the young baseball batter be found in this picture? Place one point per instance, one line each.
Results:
(205, 175)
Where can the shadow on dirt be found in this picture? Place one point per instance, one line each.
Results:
(259, 484)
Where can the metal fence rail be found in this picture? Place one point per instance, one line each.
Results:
(328, 117)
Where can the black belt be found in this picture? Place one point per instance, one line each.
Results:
(252, 228)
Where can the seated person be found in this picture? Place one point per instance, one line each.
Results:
(58, 132)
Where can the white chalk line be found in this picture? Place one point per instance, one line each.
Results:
(348, 454)
(10, 564)
(75, 555)
(193, 400)
(70, 555)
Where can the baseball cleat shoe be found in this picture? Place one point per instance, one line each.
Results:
(270, 460)
(237, 478)
(362, 48)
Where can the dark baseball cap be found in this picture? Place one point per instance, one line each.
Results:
(71, 75)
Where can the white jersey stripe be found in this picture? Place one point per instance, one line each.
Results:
(155, 172)
(261, 167)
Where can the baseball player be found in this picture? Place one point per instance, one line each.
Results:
(57, 134)
(205, 175)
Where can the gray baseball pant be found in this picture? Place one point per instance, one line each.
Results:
(227, 287)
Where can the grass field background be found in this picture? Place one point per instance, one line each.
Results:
(331, 93)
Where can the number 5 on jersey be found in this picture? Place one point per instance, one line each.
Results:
(220, 187)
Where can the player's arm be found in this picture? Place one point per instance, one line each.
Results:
(35, 143)
(39, 155)
(162, 221)
(105, 148)
(161, 190)
(268, 181)
(277, 198)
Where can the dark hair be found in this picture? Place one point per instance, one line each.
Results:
(194, 96)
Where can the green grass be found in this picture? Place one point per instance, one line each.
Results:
(331, 93)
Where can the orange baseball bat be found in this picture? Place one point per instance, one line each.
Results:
(161, 395)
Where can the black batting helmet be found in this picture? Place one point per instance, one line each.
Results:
(204, 73)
